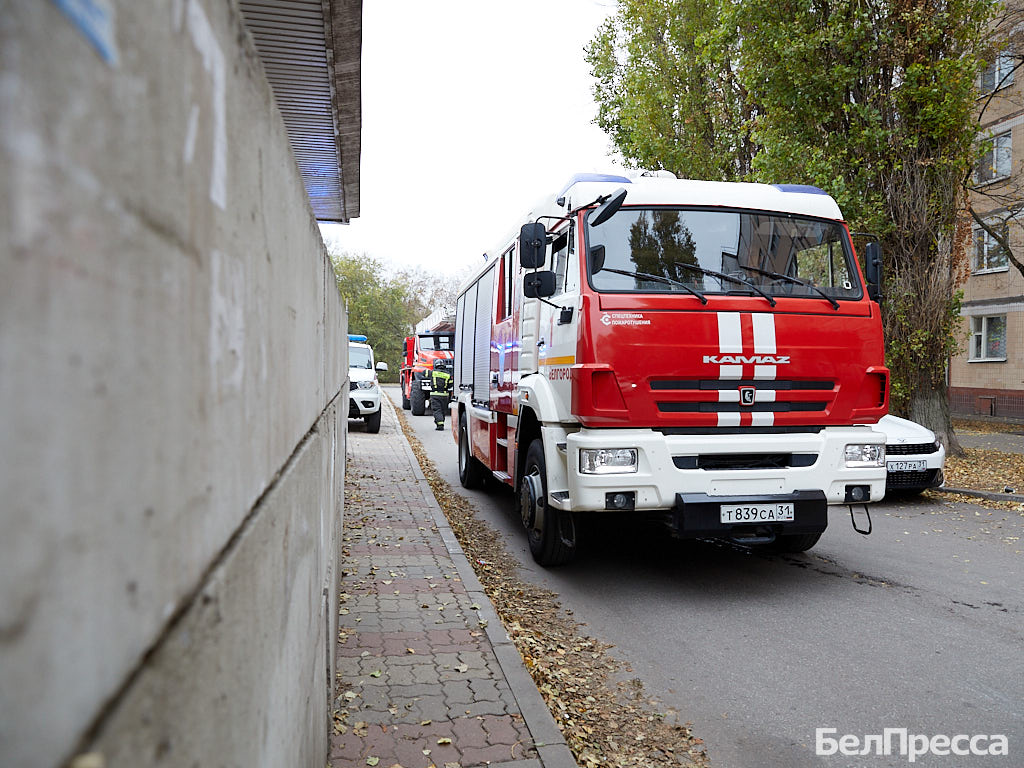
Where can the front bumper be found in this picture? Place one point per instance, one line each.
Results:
(670, 465)
(697, 514)
(363, 402)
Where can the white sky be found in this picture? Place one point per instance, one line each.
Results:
(472, 111)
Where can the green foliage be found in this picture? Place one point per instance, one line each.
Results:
(382, 307)
(871, 100)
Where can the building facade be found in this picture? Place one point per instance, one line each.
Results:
(987, 376)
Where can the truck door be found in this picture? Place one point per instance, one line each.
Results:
(557, 341)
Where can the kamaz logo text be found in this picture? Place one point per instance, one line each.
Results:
(746, 359)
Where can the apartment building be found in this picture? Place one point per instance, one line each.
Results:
(987, 376)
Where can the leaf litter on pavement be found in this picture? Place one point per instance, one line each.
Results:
(605, 721)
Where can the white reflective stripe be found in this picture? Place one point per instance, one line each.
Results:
(762, 419)
(730, 372)
(764, 396)
(766, 372)
(764, 334)
(730, 338)
(728, 419)
(728, 395)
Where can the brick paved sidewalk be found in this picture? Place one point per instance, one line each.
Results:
(427, 675)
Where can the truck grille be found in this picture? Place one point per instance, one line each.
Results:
(770, 396)
(745, 461)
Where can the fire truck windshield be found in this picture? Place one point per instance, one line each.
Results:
(444, 343)
(654, 250)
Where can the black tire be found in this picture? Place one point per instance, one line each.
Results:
(795, 542)
(405, 398)
(419, 402)
(373, 422)
(551, 532)
(471, 472)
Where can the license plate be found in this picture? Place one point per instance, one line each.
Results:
(757, 513)
(906, 466)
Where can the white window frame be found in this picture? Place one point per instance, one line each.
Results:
(998, 159)
(980, 337)
(999, 69)
(985, 248)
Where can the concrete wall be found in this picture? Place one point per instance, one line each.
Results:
(172, 399)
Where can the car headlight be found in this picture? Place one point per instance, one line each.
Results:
(865, 455)
(366, 384)
(607, 461)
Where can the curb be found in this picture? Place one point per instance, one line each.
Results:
(990, 495)
(552, 750)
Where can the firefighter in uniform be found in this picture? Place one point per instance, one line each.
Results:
(440, 390)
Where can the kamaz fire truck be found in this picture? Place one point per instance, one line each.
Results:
(704, 353)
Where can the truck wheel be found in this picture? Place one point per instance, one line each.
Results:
(405, 397)
(551, 532)
(471, 471)
(795, 542)
(419, 404)
(373, 422)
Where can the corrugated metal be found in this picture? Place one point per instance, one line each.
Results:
(296, 44)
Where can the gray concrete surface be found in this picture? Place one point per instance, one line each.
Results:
(171, 342)
(918, 625)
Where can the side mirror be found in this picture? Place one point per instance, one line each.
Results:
(382, 366)
(532, 244)
(873, 269)
(607, 209)
(537, 285)
(596, 259)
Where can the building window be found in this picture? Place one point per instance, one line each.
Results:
(988, 338)
(989, 255)
(998, 74)
(996, 162)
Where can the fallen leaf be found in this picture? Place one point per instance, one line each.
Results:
(372, 760)
(444, 741)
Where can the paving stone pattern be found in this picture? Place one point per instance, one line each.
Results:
(426, 674)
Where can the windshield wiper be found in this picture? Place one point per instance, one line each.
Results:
(794, 281)
(659, 279)
(723, 276)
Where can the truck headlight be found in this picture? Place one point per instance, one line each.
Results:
(366, 384)
(607, 461)
(865, 455)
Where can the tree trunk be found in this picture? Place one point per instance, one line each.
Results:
(930, 406)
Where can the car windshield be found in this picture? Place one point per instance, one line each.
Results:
(437, 343)
(359, 357)
(666, 250)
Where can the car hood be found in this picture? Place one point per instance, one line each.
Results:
(899, 430)
(361, 374)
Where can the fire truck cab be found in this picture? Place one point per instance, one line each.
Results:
(705, 353)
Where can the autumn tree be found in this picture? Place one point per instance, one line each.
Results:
(872, 100)
(381, 306)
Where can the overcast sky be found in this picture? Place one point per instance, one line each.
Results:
(472, 111)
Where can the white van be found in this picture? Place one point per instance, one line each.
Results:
(364, 389)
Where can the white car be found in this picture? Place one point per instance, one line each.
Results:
(364, 389)
(913, 457)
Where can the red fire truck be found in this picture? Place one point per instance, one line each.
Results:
(704, 353)
(418, 355)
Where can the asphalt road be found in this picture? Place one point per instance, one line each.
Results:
(918, 626)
